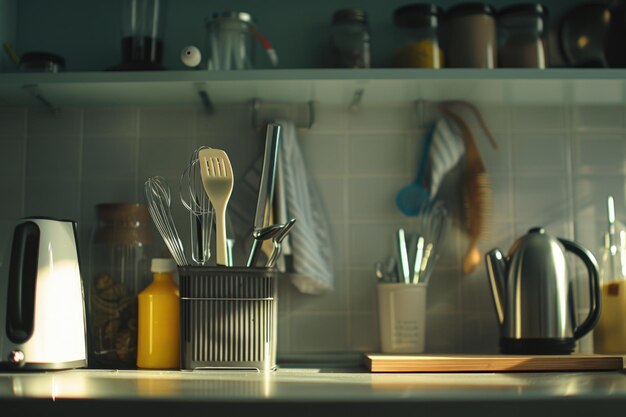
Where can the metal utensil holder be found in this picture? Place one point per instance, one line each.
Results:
(228, 318)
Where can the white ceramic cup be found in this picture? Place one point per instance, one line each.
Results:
(402, 317)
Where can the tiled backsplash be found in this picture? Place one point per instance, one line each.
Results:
(554, 167)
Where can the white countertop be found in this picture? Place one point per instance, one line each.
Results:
(319, 390)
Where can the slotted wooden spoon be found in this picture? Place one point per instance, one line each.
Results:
(217, 179)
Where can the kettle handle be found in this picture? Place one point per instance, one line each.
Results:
(594, 287)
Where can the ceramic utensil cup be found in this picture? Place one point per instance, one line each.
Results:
(402, 317)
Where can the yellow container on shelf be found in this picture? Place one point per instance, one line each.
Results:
(158, 341)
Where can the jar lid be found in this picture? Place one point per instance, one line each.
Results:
(416, 14)
(122, 212)
(123, 223)
(162, 265)
(526, 9)
(465, 9)
(241, 16)
(350, 15)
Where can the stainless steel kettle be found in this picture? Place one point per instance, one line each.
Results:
(532, 293)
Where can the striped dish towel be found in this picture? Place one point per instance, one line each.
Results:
(310, 239)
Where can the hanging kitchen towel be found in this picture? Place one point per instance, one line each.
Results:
(310, 239)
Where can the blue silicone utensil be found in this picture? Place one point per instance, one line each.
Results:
(412, 198)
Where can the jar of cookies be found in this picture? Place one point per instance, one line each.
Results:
(119, 270)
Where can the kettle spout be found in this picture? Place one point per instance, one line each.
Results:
(496, 266)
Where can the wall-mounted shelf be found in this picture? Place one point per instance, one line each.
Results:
(329, 86)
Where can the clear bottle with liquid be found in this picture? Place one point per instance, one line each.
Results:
(609, 335)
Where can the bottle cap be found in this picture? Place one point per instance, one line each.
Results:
(163, 265)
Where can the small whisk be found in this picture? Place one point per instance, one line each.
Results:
(159, 200)
(194, 198)
(433, 224)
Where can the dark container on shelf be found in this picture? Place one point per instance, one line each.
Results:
(349, 44)
(470, 36)
(521, 36)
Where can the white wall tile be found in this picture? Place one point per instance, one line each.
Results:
(53, 157)
(598, 117)
(364, 333)
(371, 242)
(599, 153)
(163, 156)
(59, 198)
(12, 158)
(334, 199)
(334, 301)
(330, 118)
(540, 153)
(324, 154)
(42, 122)
(13, 192)
(383, 118)
(111, 122)
(12, 123)
(109, 160)
(167, 122)
(374, 198)
(383, 154)
(545, 198)
(591, 193)
(538, 117)
(363, 293)
(322, 332)
(443, 333)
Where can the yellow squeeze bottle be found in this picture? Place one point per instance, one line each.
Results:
(158, 333)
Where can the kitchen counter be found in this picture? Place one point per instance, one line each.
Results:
(310, 391)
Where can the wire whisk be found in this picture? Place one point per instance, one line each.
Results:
(194, 198)
(159, 200)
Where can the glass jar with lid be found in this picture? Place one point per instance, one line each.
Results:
(470, 36)
(521, 36)
(350, 39)
(418, 36)
(119, 270)
(230, 41)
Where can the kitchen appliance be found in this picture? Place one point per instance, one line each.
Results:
(43, 311)
(532, 292)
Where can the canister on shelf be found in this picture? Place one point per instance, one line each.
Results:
(470, 36)
(119, 252)
(418, 36)
(521, 36)
(350, 39)
(158, 340)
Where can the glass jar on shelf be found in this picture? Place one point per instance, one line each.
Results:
(350, 39)
(521, 36)
(470, 36)
(119, 270)
(418, 36)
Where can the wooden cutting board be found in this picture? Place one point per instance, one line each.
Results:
(376, 362)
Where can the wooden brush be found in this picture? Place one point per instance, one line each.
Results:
(477, 196)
